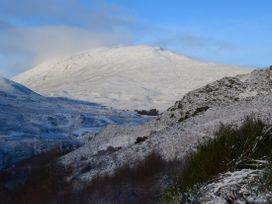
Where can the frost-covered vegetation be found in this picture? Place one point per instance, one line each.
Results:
(206, 162)
(233, 149)
(235, 155)
(31, 124)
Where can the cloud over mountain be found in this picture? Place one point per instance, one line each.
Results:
(58, 28)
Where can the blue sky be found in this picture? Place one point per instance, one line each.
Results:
(224, 31)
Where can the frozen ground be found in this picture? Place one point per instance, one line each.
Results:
(232, 187)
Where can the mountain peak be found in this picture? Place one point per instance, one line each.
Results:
(131, 77)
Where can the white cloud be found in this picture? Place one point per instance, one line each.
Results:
(39, 30)
(93, 14)
(47, 42)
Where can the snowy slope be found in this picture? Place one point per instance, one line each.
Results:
(31, 124)
(179, 130)
(135, 77)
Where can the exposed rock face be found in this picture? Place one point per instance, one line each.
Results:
(178, 130)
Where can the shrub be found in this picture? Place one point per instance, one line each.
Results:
(41, 180)
(46, 183)
(232, 149)
(151, 112)
(140, 183)
(140, 140)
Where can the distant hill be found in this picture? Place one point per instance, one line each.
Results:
(31, 124)
(134, 77)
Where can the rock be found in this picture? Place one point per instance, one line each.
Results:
(231, 187)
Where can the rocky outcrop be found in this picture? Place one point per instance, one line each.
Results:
(223, 92)
(231, 187)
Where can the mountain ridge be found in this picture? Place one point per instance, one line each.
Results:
(133, 77)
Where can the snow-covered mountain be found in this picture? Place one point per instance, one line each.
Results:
(134, 77)
(31, 123)
(178, 131)
(116, 151)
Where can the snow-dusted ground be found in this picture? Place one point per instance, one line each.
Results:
(31, 123)
(232, 187)
(179, 129)
(135, 77)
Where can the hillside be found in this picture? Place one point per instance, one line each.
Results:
(135, 77)
(31, 124)
(179, 129)
(177, 132)
(213, 145)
